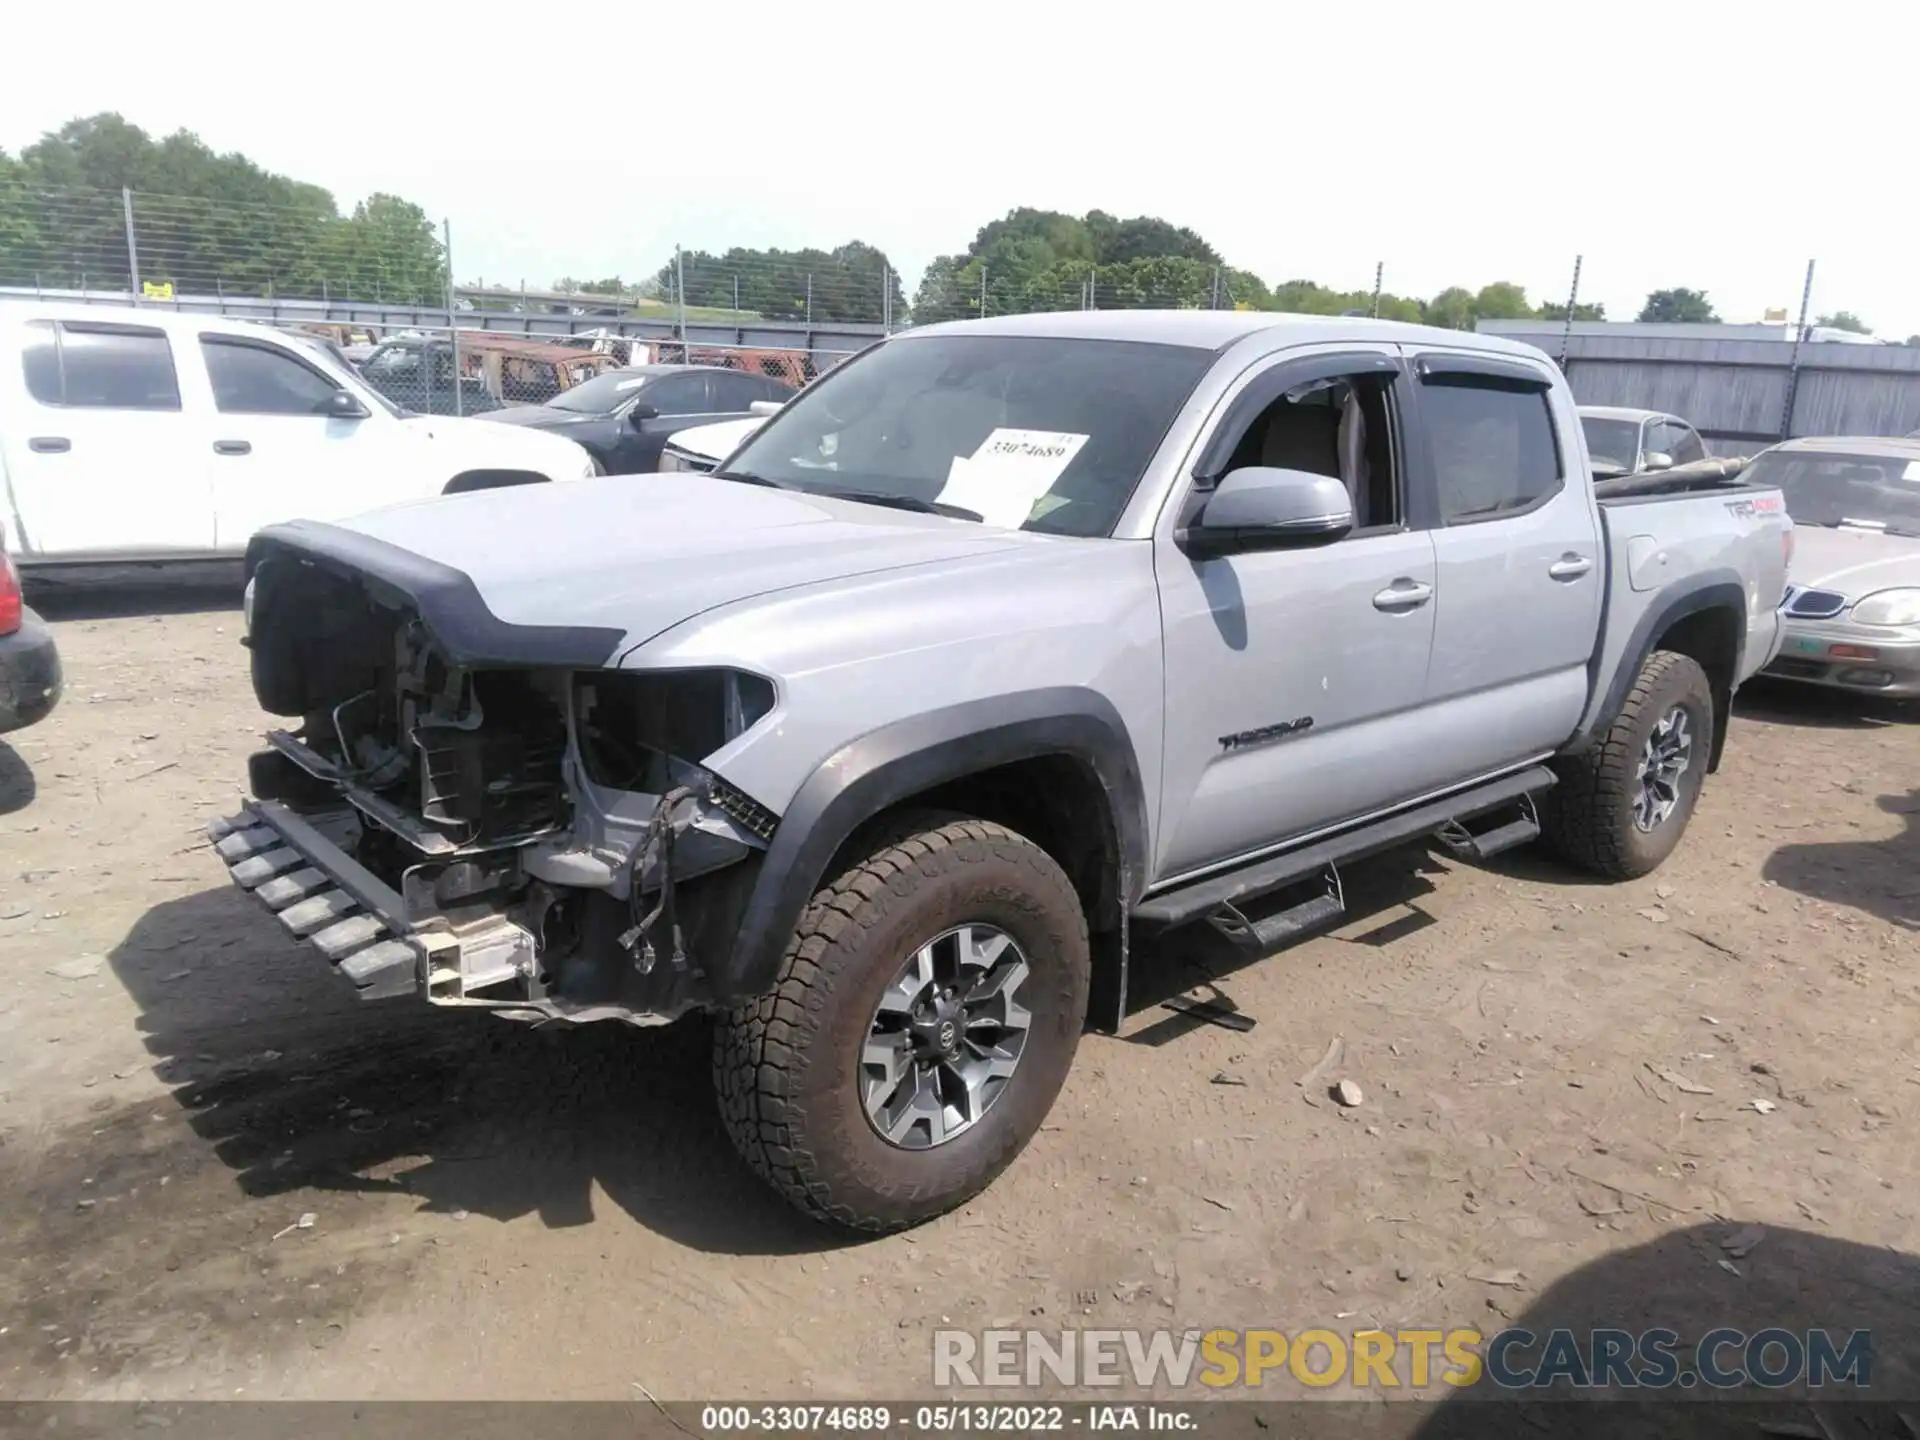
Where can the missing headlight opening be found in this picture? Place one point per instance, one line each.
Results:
(630, 722)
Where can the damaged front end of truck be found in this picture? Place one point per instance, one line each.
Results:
(483, 814)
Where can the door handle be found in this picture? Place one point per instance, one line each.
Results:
(1569, 567)
(49, 444)
(232, 447)
(1403, 594)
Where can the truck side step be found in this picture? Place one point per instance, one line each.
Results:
(1260, 936)
(1519, 825)
(1203, 897)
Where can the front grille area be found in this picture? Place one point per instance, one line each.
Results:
(1816, 604)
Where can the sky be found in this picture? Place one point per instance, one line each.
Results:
(1715, 146)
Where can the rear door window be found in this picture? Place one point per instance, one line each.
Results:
(1493, 446)
(101, 367)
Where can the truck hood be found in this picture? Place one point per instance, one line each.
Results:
(640, 554)
(1853, 562)
(475, 442)
(539, 417)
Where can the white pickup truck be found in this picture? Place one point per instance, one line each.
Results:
(149, 436)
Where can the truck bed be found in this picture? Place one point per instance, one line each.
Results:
(1658, 536)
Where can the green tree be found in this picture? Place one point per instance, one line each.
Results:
(1678, 306)
(1557, 310)
(205, 221)
(1502, 300)
(1451, 309)
(1845, 320)
(852, 283)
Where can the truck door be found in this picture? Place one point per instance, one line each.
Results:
(276, 452)
(100, 453)
(1294, 677)
(1516, 539)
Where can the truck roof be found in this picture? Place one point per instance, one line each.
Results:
(156, 316)
(1217, 329)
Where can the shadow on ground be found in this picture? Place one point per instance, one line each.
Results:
(1819, 707)
(17, 785)
(117, 594)
(1881, 877)
(1195, 960)
(1790, 1280)
(298, 1085)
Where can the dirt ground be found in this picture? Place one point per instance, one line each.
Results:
(1559, 1082)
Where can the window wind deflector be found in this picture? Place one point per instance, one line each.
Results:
(1480, 370)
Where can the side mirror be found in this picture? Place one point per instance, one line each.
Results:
(1264, 508)
(641, 413)
(1658, 460)
(765, 407)
(343, 404)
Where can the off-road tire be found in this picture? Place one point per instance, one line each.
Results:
(1588, 816)
(785, 1065)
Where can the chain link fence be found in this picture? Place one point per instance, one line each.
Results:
(379, 285)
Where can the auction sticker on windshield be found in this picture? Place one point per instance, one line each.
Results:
(1011, 469)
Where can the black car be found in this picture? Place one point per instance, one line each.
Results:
(623, 417)
(29, 665)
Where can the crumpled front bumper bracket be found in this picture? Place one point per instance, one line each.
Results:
(323, 895)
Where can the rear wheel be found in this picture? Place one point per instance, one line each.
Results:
(927, 1011)
(1620, 809)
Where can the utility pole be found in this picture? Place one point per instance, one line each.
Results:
(1379, 274)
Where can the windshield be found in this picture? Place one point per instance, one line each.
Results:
(1025, 432)
(1614, 443)
(601, 395)
(1880, 492)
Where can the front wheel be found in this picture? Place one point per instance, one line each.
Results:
(1620, 808)
(927, 1011)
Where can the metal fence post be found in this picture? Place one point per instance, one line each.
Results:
(453, 326)
(1573, 299)
(133, 248)
(680, 294)
(1793, 360)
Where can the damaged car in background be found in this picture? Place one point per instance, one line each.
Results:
(998, 641)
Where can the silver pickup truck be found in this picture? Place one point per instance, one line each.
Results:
(1000, 641)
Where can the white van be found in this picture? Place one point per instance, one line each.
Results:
(130, 434)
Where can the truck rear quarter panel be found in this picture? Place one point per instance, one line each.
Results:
(1669, 555)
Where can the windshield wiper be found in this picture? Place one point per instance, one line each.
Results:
(905, 502)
